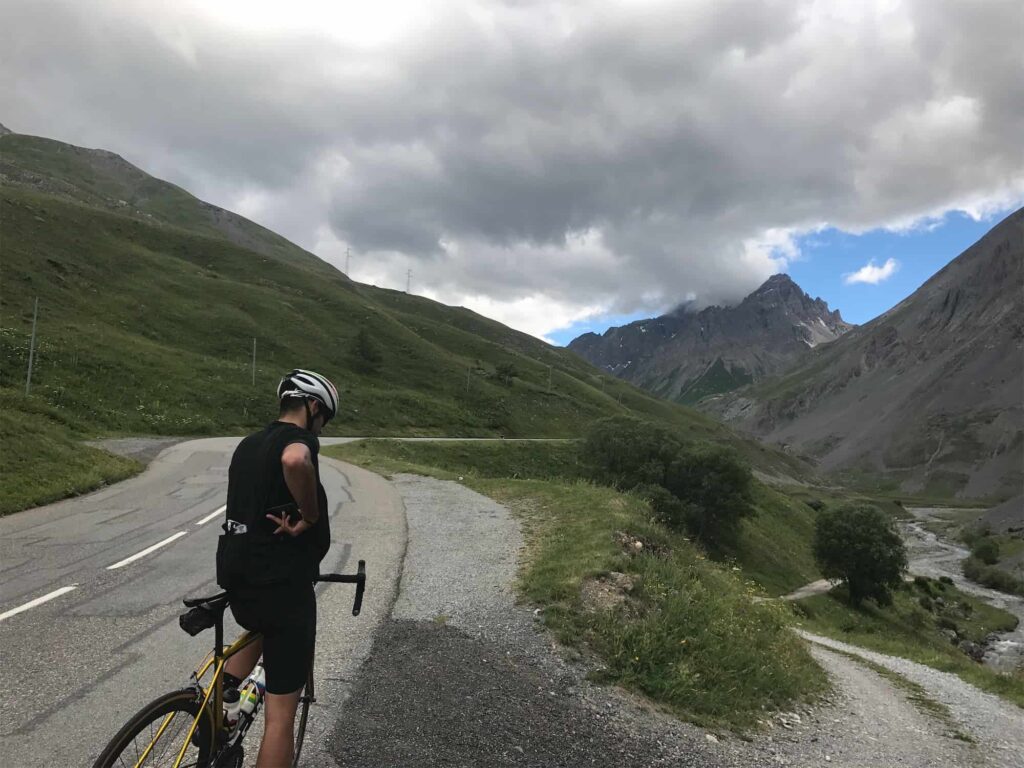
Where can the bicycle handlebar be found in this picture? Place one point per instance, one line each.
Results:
(358, 578)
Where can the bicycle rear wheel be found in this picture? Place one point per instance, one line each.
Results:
(161, 727)
(305, 699)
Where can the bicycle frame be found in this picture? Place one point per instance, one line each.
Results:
(213, 695)
(216, 659)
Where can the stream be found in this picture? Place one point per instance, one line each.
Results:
(932, 556)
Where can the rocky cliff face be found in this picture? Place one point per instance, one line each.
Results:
(685, 355)
(930, 394)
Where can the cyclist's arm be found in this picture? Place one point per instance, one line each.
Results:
(299, 476)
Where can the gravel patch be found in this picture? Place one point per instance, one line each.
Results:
(462, 676)
(993, 722)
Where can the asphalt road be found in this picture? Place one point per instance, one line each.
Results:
(74, 667)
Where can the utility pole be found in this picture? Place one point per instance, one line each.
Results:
(254, 361)
(348, 255)
(32, 348)
(408, 280)
(469, 370)
(550, 369)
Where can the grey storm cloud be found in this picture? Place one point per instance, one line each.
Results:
(620, 155)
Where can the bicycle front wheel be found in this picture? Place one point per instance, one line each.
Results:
(154, 736)
(305, 699)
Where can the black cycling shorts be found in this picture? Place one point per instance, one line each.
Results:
(286, 617)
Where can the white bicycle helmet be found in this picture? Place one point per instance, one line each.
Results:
(307, 384)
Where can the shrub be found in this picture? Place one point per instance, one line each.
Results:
(366, 351)
(718, 490)
(625, 452)
(926, 602)
(859, 545)
(667, 509)
(993, 577)
(922, 583)
(945, 579)
(944, 622)
(986, 550)
(917, 619)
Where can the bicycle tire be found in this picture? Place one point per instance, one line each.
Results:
(305, 699)
(185, 701)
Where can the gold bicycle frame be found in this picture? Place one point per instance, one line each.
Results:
(215, 690)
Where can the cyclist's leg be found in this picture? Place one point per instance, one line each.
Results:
(242, 663)
(288, 657)
(278, 748)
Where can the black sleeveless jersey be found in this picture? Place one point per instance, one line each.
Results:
(255, 484)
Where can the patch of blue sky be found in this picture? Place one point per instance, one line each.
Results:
(827, 257)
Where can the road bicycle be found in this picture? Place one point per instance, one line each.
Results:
(187, 728)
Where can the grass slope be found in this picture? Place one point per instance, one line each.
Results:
(40, 461)
(686, 633)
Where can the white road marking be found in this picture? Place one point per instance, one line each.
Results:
(212, 515)
(38, 601)
(146, 551)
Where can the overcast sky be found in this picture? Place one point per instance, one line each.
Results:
(545, 163)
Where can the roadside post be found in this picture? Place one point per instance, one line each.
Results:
(32, 348)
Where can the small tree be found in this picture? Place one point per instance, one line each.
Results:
(717, 489)
(986, 550)
(505, 372)
(624, 452)
(859, 544)
(366, 351)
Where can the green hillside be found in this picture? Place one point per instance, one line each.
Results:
(148, 313)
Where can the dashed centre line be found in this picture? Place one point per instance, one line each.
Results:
(146, 551)
(212, 515)
(38, 601)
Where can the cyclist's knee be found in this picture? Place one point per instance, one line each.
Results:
(280, 709)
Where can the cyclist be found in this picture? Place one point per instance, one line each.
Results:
(276, 534)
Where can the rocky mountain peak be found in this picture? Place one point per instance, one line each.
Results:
(687, 354)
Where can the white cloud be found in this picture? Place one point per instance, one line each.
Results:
(543, 157)
(871, 274)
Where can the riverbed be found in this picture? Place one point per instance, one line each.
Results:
(931, 556)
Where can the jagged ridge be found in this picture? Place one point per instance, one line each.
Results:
(685, 356)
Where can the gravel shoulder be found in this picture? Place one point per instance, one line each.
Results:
(462, 676)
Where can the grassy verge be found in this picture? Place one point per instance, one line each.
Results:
(773, 548)
(450, 458)
(683, 630)
(913, 629)
(41, 462)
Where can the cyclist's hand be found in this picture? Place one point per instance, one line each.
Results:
(284, 525)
